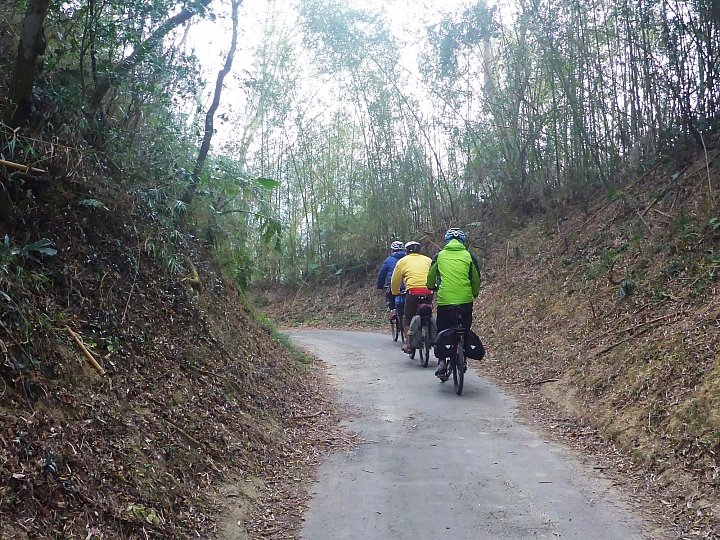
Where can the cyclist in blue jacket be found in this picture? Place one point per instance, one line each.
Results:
(386, 272)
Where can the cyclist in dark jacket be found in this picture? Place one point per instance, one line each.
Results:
(455, 274)
(386, 272)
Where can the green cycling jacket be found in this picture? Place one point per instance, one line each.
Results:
(454, 272)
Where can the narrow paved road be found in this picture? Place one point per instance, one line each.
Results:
(439, 466)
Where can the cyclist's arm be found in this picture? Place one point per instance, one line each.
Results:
(396, 280)
(432, 274)
(382, 276)
(475, 276)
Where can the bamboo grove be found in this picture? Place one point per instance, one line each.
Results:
(348, 130)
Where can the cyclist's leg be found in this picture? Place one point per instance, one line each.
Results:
(389, 300)
(411, 305)
(467, 317)
(443, 319)
(400, 309)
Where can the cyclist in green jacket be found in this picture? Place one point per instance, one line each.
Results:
(455, 274)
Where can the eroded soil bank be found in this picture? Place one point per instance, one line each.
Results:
(199, 417)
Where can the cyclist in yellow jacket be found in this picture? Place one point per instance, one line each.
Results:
(412, 269)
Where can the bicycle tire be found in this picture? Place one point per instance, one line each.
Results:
(458, 367)
(424, 344)
(427, 344)
(395, 325)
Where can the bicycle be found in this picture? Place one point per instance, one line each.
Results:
(396, 320)
(457, 361)
(425, 312)
(396, 323)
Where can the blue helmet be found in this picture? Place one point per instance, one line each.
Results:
(455, 234)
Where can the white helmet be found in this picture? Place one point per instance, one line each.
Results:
(412, 247)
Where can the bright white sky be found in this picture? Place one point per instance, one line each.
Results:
(211, 39)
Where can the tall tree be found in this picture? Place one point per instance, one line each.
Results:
(210, 115)
(32, 42)
(141, 51)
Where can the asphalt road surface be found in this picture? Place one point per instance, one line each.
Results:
(436, 465)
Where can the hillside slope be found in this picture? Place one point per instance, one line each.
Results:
(201, 414)
(617, 309)
(607, 315)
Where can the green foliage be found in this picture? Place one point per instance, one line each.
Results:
(459, 33)
(267, 183)
(238, 264)
(518, 114)
(25, 250)
(93, 203)
(614, 193)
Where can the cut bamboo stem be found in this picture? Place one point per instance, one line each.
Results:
(21, 167)
(87, 353)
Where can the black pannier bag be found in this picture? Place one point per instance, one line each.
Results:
(473, 346)
(445, 344)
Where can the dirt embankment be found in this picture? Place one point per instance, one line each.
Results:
(613, 313)
(203, 424)
(608, 317)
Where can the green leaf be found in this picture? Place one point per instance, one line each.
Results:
(94, 203)
(47, 251)
(267, 183)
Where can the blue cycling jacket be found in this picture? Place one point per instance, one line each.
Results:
(386, 270)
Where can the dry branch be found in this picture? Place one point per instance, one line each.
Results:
(631, 328)
(192, 441)
(85, 351)
(638, 334)
(544, 381)
(21, 167)
(194, 278)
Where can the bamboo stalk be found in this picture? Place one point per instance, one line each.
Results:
(87, 354)
(20, 167)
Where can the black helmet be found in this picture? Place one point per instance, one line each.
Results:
(412, 247)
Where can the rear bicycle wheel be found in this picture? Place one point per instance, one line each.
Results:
(458, 367)
(396, 329)
(424, 344)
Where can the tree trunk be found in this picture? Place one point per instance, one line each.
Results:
(23, 77)
(210, 116)
(105, 82)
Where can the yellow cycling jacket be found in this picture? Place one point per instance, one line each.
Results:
(413, 269)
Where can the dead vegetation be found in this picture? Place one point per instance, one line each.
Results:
(134, 403)
(619, 306)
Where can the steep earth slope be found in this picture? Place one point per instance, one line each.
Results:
(202, 424)
(613, 313)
